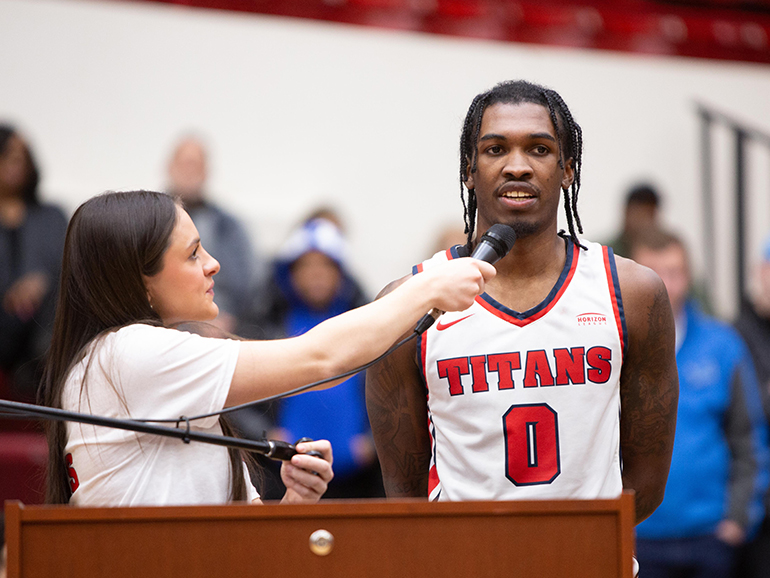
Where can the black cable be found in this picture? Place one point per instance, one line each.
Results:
(288, 393)
(17, 415)
(274, 449)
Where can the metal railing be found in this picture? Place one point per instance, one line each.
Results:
(743, 135)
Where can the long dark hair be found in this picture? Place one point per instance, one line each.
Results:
(112, 241)
(29, 191)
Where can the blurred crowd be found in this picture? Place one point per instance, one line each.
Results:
(713, 519)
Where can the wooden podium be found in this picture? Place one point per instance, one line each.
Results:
(375, 539)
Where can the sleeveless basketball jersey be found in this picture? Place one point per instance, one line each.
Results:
(527, 405)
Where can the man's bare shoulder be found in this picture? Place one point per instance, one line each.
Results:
(649, 319)
(636, 278)
(640, 287)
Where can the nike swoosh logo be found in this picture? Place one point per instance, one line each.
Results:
(442, 326)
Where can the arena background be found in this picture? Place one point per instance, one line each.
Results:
(299, 113)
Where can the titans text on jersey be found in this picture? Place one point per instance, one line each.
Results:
(570, 366)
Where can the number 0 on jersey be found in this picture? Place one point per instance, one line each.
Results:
(531, 444)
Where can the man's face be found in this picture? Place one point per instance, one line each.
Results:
(764, 281)
(671, 266)
(518, 180)
(640, 217)
(187, 170)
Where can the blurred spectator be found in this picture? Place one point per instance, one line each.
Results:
(224, 236)
(641, 213)
(31, 244)
(311, 282)
(719, 466)
(754, 325)
(330, 214)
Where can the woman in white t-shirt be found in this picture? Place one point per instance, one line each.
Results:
(134, 267)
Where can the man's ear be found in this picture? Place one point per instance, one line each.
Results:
(569, 174)
(469, 182)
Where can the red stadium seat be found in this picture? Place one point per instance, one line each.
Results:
(23, 457)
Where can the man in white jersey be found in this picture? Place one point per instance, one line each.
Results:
(560, 381)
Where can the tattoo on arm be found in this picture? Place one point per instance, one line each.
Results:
(396, 402)
(649, 394)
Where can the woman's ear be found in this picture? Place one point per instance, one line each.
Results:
(148, 284)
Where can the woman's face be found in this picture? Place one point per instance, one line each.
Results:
(183, 290)
(13, 165)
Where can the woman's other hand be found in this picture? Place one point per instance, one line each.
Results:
(307, 477)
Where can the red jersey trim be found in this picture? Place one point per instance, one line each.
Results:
(617, 304)
(433, 479)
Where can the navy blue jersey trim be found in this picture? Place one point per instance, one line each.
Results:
(455, 253)
(618, 298)
(432, 432)
(551, 296)
(459, 251)
(421, 359)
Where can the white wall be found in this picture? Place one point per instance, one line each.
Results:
(299, 113)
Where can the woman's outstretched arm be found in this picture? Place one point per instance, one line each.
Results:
(356, 337)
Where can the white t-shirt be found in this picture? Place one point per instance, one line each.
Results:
(142, 371)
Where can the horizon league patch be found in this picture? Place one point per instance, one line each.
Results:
(585, 319)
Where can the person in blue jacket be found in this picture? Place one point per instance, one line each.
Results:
(311, 282)
(719, 468)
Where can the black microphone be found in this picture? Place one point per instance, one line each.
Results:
(493, 246)
(495, 243)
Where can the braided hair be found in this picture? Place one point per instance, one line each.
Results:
(568, 131)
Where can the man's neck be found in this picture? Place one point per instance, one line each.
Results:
(527, 274)
(531, 254)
